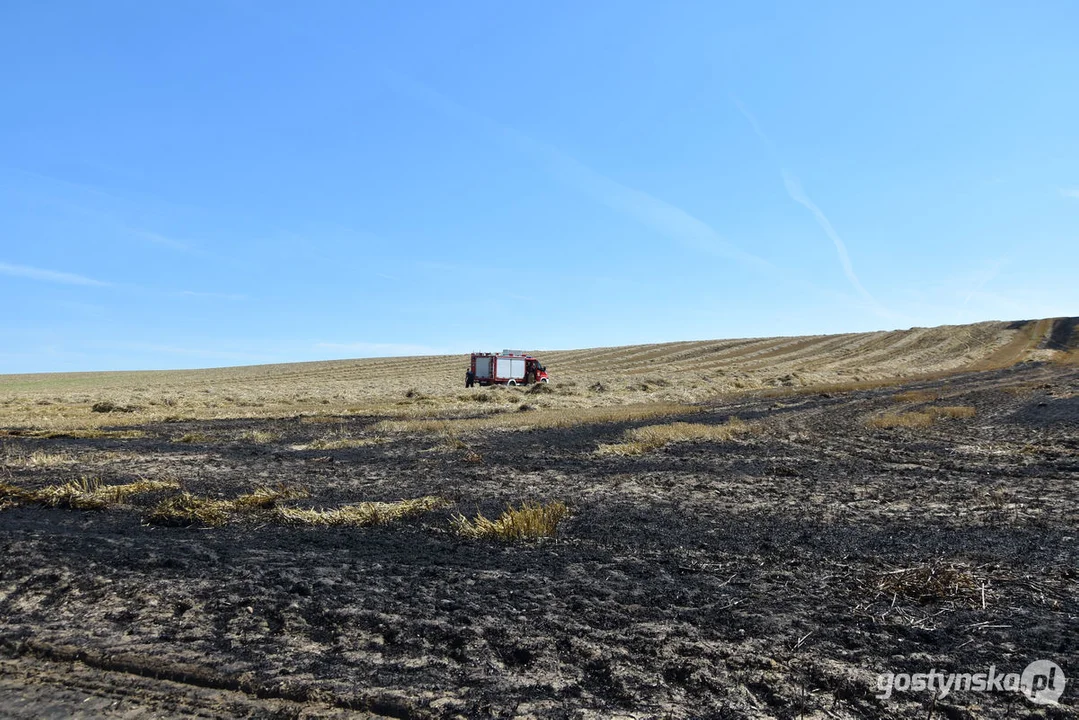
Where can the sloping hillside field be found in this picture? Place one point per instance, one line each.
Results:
(823, 527)
(672, 372)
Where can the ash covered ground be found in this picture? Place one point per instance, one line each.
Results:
(774, 575)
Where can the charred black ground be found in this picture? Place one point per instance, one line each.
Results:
(773, 575)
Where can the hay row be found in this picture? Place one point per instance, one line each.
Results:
(530, 520)
(81, 494)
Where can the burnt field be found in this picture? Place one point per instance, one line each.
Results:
(772, 573)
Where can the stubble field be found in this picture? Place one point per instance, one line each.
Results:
(754, 529)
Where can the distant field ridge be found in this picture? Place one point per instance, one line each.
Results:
(688, 371)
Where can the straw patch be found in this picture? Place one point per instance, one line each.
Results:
(529, 521)
(360, 514)
(653, 437)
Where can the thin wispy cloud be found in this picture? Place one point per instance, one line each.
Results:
(752, 119)
(212, 295)
(106, 210)
(798, 194)
(163, 241)
(794, 189)
(67, 278)
(84, 188)
(665, 218)
(1070, 192)
(52, 276)
(981, 278)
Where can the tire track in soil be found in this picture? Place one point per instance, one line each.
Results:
(1030, 334)
(57, 688)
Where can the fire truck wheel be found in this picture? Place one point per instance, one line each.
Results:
(511, 383)
(544, 381)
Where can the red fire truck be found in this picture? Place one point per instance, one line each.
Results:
(510, 367)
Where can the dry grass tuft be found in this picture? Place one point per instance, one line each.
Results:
(916, 396)
(15, 457)
(265, 498)
(451, 442)
(119, 493)
(186, 509)
(107, 406)
(11, 495)
(922, 418)
(322, 420)
(530, 521)
(361, 514)
(652, 437)
(454, 443)
(259, 437)
(78, 434)
(480, 397)
(931, 582)
(81, 494)
(343, 442)
(90, 494)
(8, 490)
(553, 418)
(43, 458)
(907, 420)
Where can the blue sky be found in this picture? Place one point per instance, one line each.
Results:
(217, 183)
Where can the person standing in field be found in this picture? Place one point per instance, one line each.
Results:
(470, 378)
